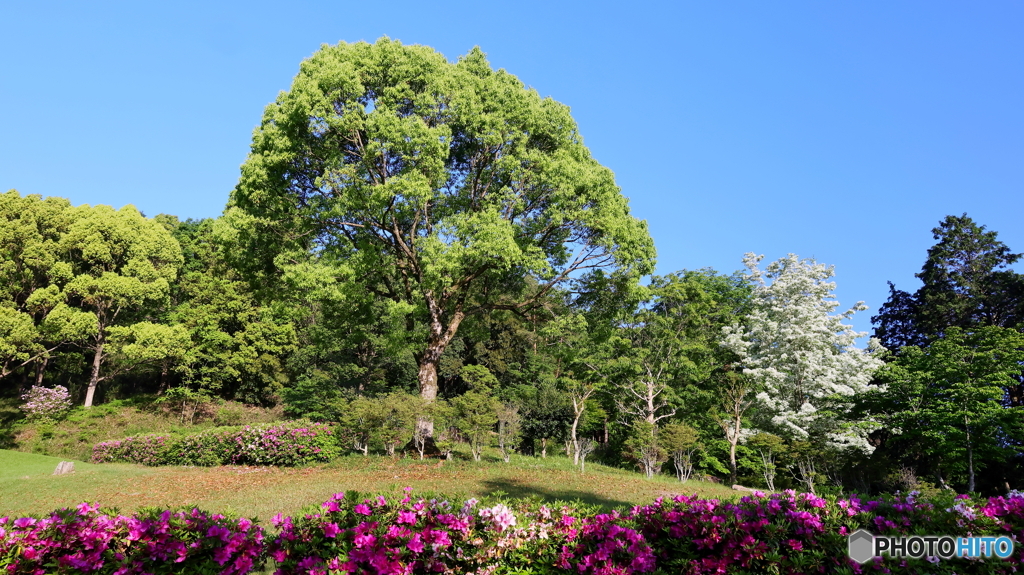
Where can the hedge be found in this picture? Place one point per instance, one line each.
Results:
(782, 533)
(293, 443)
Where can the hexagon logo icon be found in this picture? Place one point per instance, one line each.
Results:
(861, 546)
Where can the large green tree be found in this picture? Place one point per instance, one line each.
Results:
(944, 400)
(35, 320)
(442, 186)
(121, 264)
(966, 284)
(238, 346)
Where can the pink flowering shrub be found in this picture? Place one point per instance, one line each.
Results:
(293, 443)
(1008, 513)
(43, 403)
(284, 444)
(354, 535)
(90, 540)
(782, 533)
(149, 449)
(607, 544)
(790, 533)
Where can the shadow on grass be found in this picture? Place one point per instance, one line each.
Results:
(8, 417)
(516, 488)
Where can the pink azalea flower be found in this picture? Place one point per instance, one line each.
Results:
(415, 544)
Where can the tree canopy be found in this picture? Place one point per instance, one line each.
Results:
(802, 357)
(442, 186)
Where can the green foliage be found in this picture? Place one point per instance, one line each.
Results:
(396, 416)
(35, 319)
(946, 398)
(642, 447)
(681, 442)
(766, 453)
(120, 263)
(475, 413)
(238, 347)
(510, 428)
(443, 187)
(546, 411)
(186, 401)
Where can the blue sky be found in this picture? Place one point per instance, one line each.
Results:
(842, 131)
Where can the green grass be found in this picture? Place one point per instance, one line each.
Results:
(25, 466)
(261, 492)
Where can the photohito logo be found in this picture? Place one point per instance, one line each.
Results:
(862, 546)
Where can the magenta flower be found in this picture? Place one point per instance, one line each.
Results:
(331, 530)
(415, 544)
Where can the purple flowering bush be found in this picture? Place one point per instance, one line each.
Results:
(46, 404)
(150, 541)
(293, 443)
(781, 533)
(353, 535)
(149, 449)
(790, 533)
(784, 533)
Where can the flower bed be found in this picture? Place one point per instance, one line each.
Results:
(295, 443)
(785, 533)
(90, 540)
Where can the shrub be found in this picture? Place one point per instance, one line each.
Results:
(147, 449)
(150, 541)
(375, 535)
(46, 404)
(782, 533)
(284, 444)
(294, 443)
(204, 449)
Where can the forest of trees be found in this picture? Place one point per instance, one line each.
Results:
(414, 234)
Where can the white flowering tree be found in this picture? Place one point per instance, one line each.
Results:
(800, 356)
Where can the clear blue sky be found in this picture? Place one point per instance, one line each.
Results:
(839, 130)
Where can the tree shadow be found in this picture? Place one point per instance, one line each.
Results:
(520, 489)
(7, 421)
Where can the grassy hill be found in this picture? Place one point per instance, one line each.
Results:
(26, 486)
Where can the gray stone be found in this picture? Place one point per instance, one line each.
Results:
(861, 546)
(64, 467)
(743, 488)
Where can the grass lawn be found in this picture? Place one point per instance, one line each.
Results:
(27, 486)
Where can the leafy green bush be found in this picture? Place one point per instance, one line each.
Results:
(204, 449)
(293, 443)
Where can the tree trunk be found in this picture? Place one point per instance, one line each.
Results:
(732, 459)
(970, 463)
(94, 377)
(428, 390)
(543, 447)
(40, 370)
(440, 337)
(575, 441)
(164, 368)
